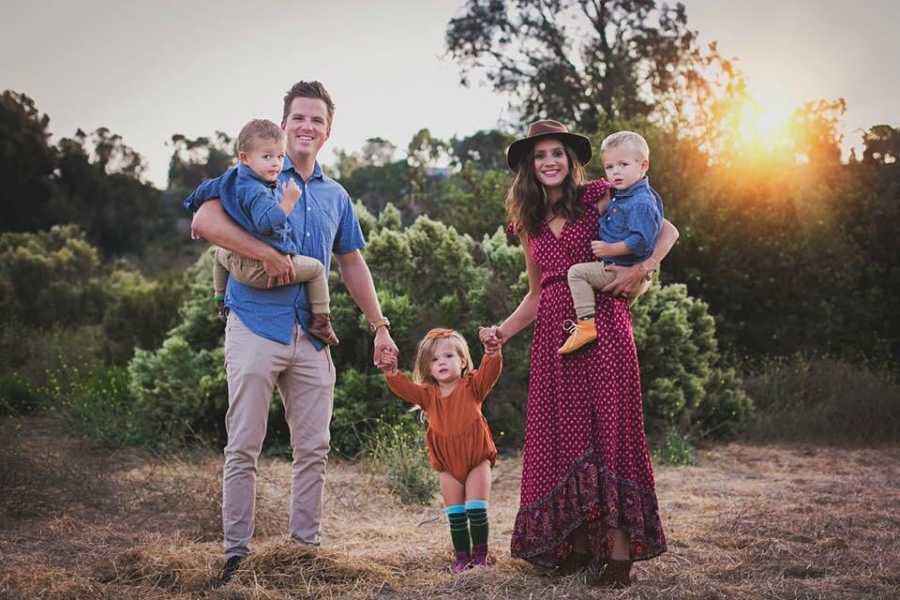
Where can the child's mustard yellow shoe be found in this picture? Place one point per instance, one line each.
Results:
(583, 331)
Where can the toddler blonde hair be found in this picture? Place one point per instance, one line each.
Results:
(631, 140)
(255, 130)
(425, 352)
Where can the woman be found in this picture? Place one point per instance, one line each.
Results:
(587, 492)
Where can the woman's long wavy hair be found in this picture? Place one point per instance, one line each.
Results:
(527, 202)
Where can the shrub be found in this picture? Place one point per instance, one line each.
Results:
(675, 449)
(399, 449)
(17, 396)
(180, 393)
(50, 277)
(362, 402)
(140, 313)
(33, 352)
(684, 385)
(97, 402)
(823, 400)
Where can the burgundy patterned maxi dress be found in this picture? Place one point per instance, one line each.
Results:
(585, 458)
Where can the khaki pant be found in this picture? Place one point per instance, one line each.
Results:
(584, 278)
(305, 379)
(250, 271)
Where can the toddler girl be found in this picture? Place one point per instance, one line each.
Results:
(460, 446)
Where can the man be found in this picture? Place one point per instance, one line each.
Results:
(266, 341)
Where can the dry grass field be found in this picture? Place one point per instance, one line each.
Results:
(779, 522)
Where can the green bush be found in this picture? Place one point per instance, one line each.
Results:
(180, 393)
(140, 313)
(684, 384)
(50, 277)
(33, 352)
(361, 403)
(675, 449)
(823, 400)
(428, 275)
(18, 396)
(97, 402)
(399, 449)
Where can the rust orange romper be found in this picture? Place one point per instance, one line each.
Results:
(458, 436)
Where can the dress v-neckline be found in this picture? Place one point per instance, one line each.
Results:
(561, 229)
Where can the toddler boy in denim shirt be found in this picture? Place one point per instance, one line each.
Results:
(254, 204)
(629, 227)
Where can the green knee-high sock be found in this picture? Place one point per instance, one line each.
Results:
(459, 527)
(478, 520)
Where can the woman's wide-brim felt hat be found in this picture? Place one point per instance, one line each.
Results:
(548, 128)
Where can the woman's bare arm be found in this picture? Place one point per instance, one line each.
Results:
(526, 312)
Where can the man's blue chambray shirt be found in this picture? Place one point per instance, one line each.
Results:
(634, 216)
(322, 222)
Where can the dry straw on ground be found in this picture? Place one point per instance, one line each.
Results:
(749, 522)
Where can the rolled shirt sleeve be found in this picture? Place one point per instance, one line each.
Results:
(267, 215)
(205, 191)
(644, 222)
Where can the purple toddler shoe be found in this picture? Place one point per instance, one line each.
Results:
(463, 562)
(480, 556)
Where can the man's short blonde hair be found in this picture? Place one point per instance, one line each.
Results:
(631, 140)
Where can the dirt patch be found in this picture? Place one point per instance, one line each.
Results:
(748, 522)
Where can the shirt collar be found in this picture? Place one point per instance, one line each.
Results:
(289, 166)
(245, 171)
(641, 184)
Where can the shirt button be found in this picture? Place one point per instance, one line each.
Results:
(307, 235)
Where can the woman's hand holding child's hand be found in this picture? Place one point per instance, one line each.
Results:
(490, 338)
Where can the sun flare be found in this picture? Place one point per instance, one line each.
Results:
(763, 122)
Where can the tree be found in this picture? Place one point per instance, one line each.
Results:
(486, 148)
(882, 144)
(815, 133)
(377, 152)
(422, 153)
(27, 162)
(581, 61)
(198, 159)
(99, 179)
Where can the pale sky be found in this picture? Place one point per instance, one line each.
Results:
(147, 70)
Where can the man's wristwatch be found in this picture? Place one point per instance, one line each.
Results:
(382, 322)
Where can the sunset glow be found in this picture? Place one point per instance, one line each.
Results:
(762, 122)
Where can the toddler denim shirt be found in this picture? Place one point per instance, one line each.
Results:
(322, 222)
(634, 216)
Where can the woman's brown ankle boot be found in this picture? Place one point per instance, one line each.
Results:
(617, 574)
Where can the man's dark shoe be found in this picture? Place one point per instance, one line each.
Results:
(231, 567)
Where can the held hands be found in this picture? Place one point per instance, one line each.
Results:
(491, 338)
(388, 363)
(385, 349)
